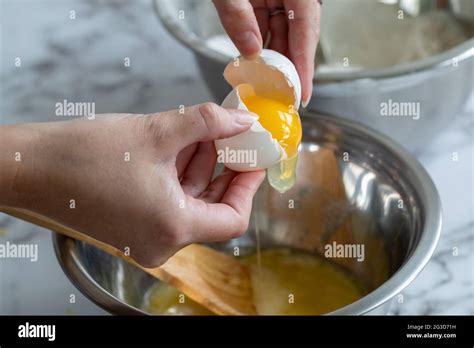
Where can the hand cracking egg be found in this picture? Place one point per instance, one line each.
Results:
(268, 86)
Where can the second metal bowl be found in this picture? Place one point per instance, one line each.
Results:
(439, 84)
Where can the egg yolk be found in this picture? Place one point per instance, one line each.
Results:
(317, 285)
(283, 122)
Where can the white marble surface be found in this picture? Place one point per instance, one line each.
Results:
(82, 60)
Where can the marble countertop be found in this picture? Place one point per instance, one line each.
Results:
(81, 59)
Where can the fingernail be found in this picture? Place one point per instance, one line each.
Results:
(305, 103)
(243, 118)
(249, 43)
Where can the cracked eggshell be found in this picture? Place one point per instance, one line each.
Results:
(271, 75)
(256, 140)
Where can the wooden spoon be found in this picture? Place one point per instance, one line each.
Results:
(213, 279)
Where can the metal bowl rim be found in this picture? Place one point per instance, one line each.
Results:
(390, 288)
(445, 59)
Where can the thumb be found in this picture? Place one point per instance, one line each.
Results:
(208, 122)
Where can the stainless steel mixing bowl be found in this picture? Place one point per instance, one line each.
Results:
(391, 207)
(439, 83)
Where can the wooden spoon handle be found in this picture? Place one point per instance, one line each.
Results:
(184, 270)
(55, 226)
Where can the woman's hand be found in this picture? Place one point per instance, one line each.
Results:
(141, 182)
(294, 32)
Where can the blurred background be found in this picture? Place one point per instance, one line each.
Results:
(77, 50)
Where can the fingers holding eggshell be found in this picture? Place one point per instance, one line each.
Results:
(207, 122)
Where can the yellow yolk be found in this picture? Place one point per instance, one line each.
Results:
(315, 285)
(283, 122)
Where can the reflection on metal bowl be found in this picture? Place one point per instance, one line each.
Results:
(389, 204)
(439, 83)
